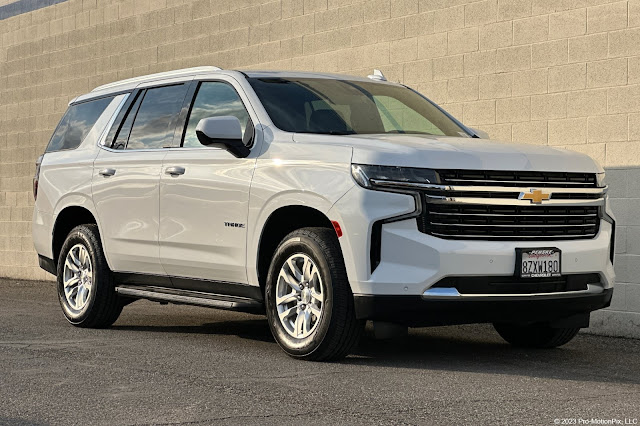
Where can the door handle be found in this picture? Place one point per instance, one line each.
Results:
(107, 172)
(175, 170)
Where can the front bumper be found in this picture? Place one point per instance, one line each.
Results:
(411, 262)
(417, 311)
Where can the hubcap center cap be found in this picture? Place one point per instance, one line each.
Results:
(306, 296)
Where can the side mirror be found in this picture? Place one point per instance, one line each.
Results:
(223, 132)
(480, 133)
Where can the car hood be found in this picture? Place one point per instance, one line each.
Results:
(447, 152)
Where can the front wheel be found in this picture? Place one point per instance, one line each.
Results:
(309, 303)
(535, 335)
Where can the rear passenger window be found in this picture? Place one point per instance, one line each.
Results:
(76, 124)
(154, 122)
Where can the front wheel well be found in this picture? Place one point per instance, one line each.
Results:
(281, 222)
(67, 219)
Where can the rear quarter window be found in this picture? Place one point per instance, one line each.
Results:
(76, 124)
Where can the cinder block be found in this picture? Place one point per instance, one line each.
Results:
(480, 112)
(377, 10)
(611, 72)
(588, 48)
(418, 71)
(608, 128)
(432, 45)
(531, 30)
(312, 6)
(624, 154)
(513, 58)
(549, 54)
(568, 24)
(404, 50)
(495, 86)
(633, 70)
(530, 82)
(448, 19)
(463, 89)
(607, 17)
(462, 41)
(567, 77)
(624, 42)
(623, 99)
(584, 103)
(418, 25)
(532, 132)
(480, 13)
(633, 240)
(448, 67)
(480, 63)
(403, 8)
(512, 110)
(513, 9)
(496, 35)
(568, 131)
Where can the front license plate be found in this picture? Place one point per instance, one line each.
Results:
(538, 262)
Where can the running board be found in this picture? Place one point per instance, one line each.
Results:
(188, 297)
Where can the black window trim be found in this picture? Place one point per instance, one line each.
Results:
(125, 110)
(190, 99)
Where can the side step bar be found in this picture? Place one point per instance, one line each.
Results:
(188, 297)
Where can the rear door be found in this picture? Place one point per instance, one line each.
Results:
(204, 196)
(126, 178)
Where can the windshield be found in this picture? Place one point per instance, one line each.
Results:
(343, 107)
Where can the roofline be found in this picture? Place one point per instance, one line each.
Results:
(157, 76)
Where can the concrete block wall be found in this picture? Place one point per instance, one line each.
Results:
(551, 72)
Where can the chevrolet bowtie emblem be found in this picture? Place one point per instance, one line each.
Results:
(536, 196)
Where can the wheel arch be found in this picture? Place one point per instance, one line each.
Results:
(281, 222)
(65, 220)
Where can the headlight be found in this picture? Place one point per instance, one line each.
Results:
(372, 177)
(600, 180)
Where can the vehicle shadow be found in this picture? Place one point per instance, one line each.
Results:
(479, 349)
(469, 348)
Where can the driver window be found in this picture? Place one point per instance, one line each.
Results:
(216, 99)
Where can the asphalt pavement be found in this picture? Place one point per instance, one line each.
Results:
(171, 364)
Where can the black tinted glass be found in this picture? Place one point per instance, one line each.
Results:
(76, 124)
(215, 99)
(123, 135)
(154, 123)
(330, 106)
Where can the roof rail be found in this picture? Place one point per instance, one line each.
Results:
(157, 76)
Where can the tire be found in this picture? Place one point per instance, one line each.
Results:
(96, 303)
(535, 335)
(325, 295)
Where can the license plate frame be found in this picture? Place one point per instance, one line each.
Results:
(538, 270)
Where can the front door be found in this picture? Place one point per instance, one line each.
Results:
(204, 198)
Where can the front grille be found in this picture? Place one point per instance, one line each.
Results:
(471, 221)
(517, 178)
(515, 285)
(492, 205)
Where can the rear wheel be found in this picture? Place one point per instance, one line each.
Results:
(309, 303)
(85, 285)
(535, 335)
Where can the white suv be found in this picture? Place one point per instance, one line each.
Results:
(322, 200)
